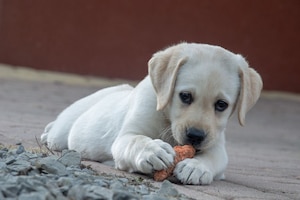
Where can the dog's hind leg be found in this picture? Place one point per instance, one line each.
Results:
(57, 132)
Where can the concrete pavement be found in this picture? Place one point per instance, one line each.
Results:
(264, 155)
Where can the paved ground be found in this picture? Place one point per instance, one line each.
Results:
(264, 155)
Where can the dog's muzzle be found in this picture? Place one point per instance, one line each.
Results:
(195, 136)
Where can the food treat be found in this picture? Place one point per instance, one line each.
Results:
(182, 152)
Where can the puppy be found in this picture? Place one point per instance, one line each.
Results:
(187, 98)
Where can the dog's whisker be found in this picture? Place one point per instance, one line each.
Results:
(167, 135)
(165, 132)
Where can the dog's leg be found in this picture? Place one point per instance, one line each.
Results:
(142, 154)
(204, 167)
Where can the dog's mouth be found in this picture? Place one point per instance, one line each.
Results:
(201, 147)
(198, 147)
(198, 138)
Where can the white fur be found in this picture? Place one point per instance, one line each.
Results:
(137, 127)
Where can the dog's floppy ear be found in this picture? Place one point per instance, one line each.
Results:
(250, 88)
(163, 68)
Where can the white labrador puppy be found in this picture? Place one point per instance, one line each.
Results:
(188, 97)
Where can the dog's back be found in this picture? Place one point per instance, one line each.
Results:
(56, 133)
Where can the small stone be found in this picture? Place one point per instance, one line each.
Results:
(76, 192)
(142, 189)
(117, 185)
(54, 190)
(10, 160)
(34, 196)
(120, 194)
(33, 172)
(88, 171)
(98, 192)
(9, 178)
(81, 174)
(167, 189)
(3, 153)
(131, 189)
(20, 149)
(64, 181)
(21, 167)
(70, 158)
(10, 190)
(27, 186)
(1, 195)
(123, 180)
(52, 166)
(2, 165)
(153, 197)
(28, 156)
(101, 182)
(12, 152)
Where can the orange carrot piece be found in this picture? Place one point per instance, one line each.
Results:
(182, 152)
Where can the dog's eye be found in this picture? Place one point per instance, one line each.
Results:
(221, 105)
(186, 97)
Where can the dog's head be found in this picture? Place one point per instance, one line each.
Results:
(198, 87)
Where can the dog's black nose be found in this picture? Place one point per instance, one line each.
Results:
(195, 136)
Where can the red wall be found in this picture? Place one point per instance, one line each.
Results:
(116, 38)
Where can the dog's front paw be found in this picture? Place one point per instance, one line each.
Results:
(156, 155)
(192, 171)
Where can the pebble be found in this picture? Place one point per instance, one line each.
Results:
(70, 158)
(167, 189)
(20, 149)
(25, 175)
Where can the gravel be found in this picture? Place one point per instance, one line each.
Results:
(38, 176)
